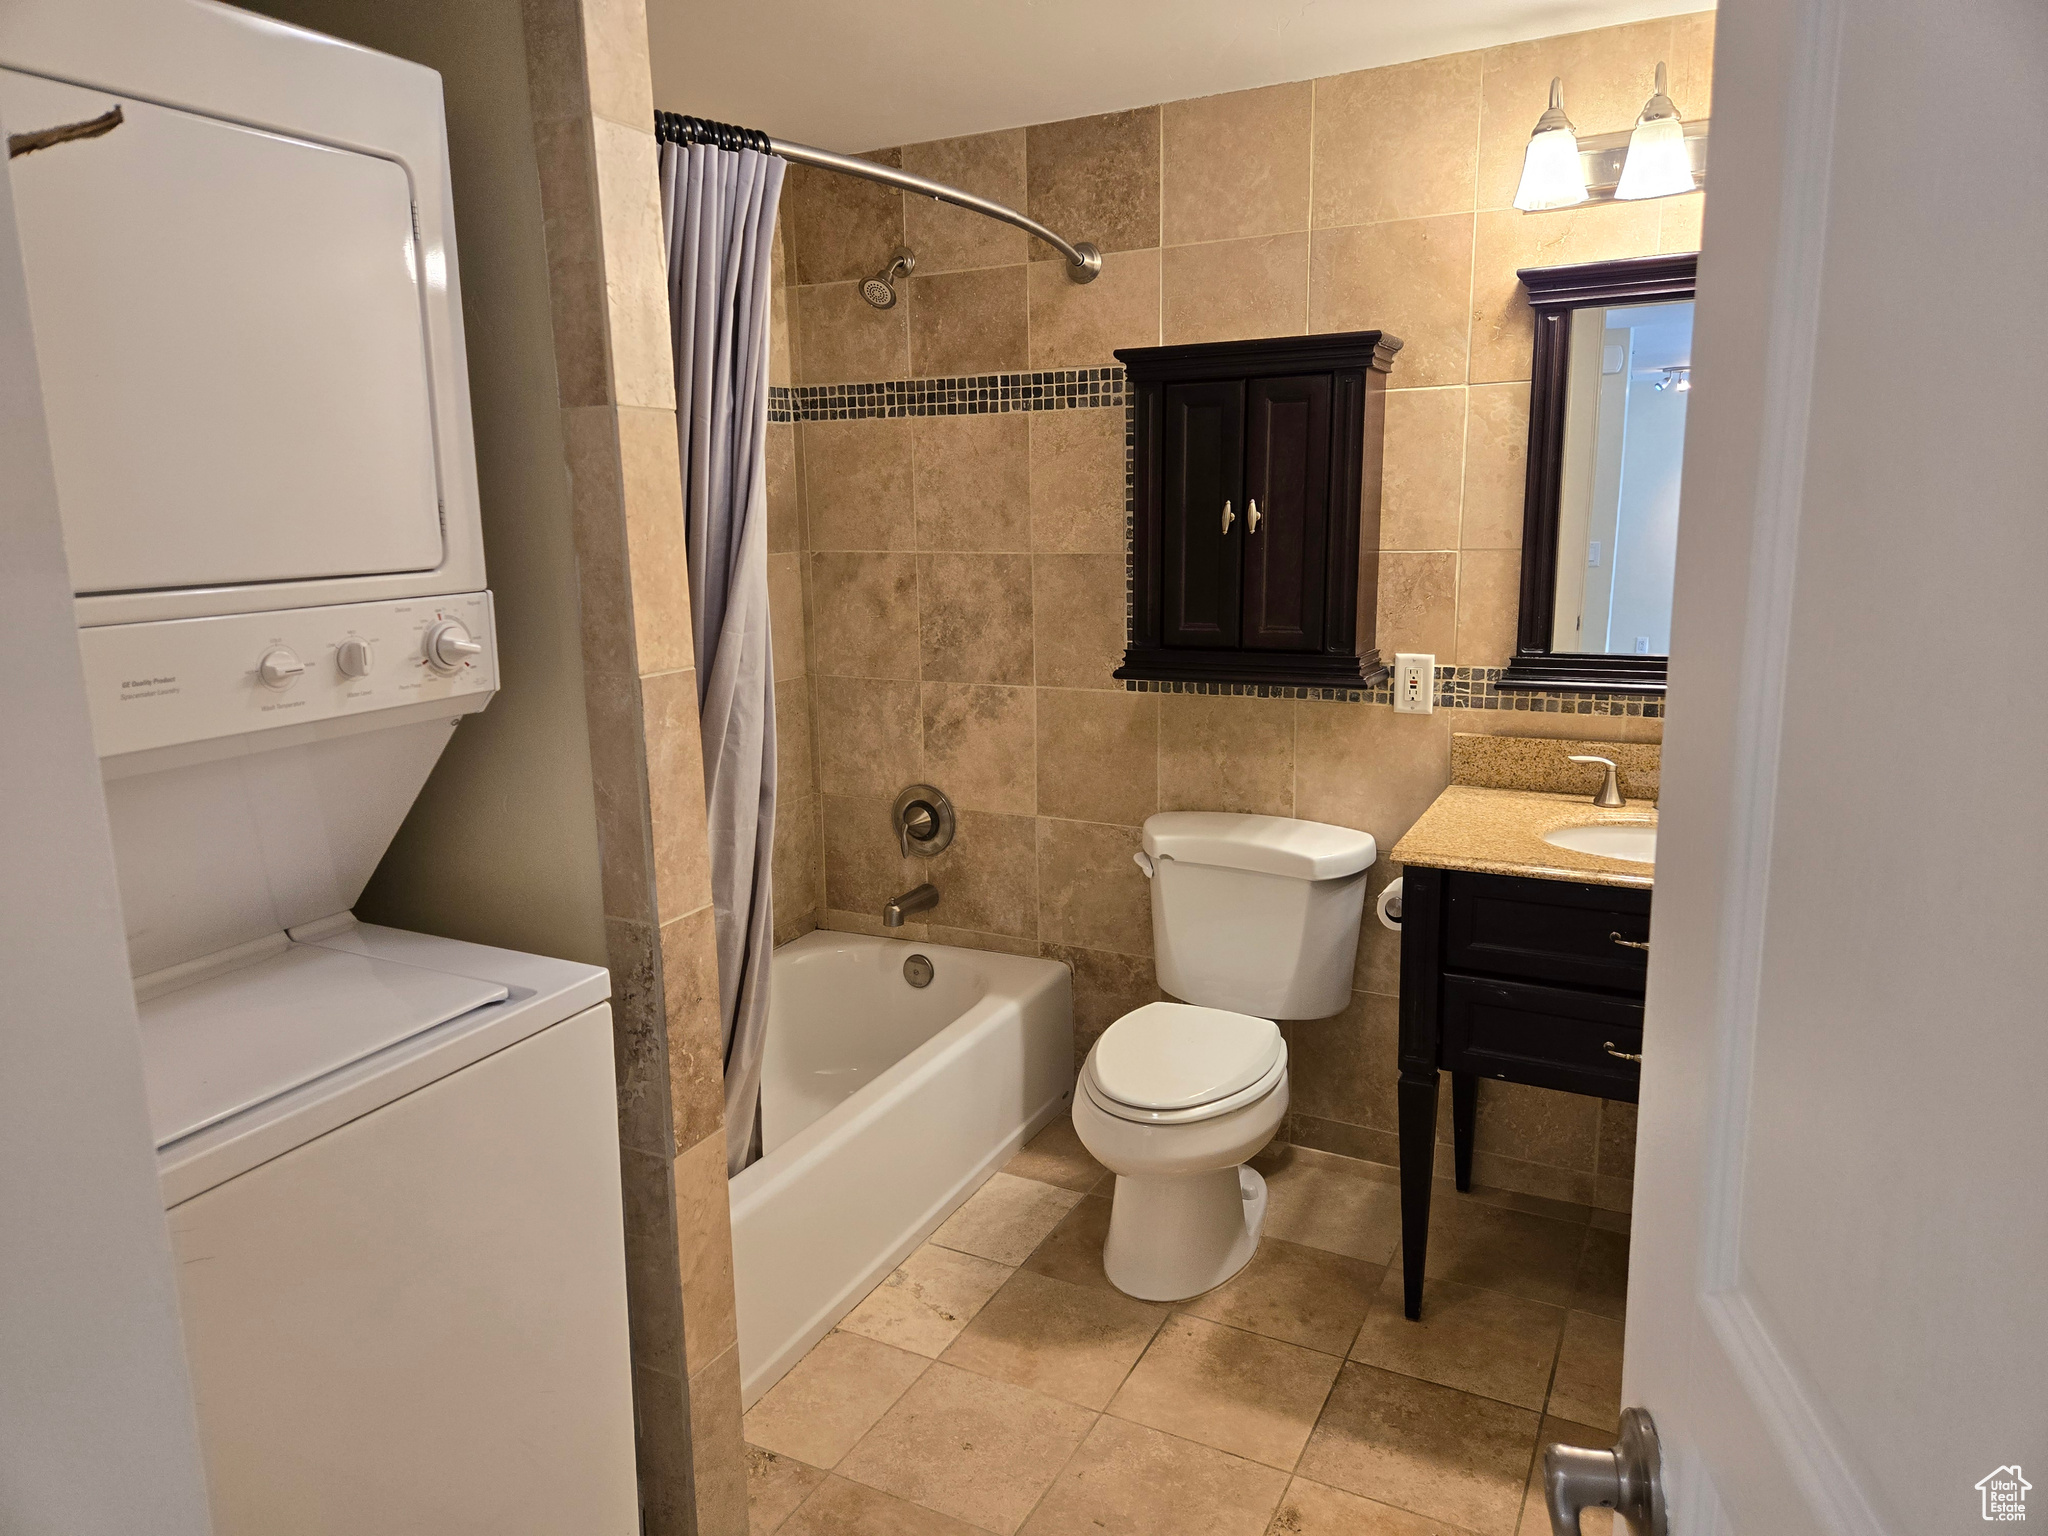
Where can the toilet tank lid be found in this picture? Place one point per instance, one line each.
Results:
(1271, 845)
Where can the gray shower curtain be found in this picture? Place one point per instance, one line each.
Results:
(718, 212)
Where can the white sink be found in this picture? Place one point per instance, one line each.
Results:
(1635, 841)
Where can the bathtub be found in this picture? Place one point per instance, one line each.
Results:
(883, 1107)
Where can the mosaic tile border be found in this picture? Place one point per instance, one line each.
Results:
(1073, 389)
(980, 394)
(1456, 688)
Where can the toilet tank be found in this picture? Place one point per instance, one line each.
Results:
(1256, 914)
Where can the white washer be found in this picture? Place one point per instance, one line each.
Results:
(392, 1176)
(390, 1161)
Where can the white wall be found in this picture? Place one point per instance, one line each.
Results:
(501, 846)
(97, 1435)
(1646, 529)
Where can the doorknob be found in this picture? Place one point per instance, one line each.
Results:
(1627, 1480)
(1251, 517)
(1229, 517)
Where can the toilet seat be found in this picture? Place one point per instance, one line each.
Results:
(1174, 1063)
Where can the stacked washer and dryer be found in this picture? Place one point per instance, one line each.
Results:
(389, 1161)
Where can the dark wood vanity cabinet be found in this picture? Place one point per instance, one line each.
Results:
(1255, 544)
(1517, 979)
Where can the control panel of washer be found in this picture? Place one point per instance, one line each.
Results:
(184, 680)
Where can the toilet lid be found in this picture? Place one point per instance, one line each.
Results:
(1176, 1056)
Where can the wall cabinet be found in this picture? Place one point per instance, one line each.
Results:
(1255, 542)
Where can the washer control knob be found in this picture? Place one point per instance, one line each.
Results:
(354, 657)
(449, 646)
(279, 668)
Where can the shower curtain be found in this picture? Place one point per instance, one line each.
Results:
(718, 213)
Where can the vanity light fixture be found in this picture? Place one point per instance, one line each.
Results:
(1679, 379)
(1552, 176)
(1657, 164)
(1660, 157)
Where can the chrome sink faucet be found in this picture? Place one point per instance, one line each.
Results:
(1608, 796)
(919, 898)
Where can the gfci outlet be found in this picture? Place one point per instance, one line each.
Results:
(1414, 684)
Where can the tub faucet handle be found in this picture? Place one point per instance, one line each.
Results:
(924, 821)
(918, 822)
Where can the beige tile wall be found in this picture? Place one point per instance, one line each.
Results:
(593, 132)
(965, 575)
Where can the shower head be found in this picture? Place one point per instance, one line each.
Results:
(880, 290)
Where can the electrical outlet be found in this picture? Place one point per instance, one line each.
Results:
(1415, 684)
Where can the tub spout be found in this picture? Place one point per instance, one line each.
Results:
(918, 899)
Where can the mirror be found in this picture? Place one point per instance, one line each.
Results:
(1610, 380)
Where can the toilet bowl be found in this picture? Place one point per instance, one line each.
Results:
(1172, 1100)
(1254, 919)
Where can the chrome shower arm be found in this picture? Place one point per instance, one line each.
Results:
(1084, 260)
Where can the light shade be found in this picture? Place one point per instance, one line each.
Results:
(1552, 175)
(1657, 164)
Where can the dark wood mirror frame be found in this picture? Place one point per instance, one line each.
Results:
(1554, 292)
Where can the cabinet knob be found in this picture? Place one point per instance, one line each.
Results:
(1229, 517)
(1251, 517)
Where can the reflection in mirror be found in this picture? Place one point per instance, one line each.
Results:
(1627, 380)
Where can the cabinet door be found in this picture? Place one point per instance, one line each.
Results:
(1202, 476)
(1287, 544)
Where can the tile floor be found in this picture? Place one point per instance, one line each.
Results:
(998, 1383)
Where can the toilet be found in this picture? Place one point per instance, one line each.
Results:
(1254, 919)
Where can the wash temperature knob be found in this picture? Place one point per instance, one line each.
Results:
(449, 646)
(354, 658)
(280, 668)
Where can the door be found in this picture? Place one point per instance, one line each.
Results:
(1203, 515)
(1287, 513)
(1839, 1231)
(97, 1434)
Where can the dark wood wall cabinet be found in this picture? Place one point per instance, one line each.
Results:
(1256, 542)
(1517, 979)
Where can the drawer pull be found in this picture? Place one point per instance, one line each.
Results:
(1608, 1047)
(1642, 944)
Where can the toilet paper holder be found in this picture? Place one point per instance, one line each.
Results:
(1388, 908)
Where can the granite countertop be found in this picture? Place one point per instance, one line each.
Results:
(1500, 832)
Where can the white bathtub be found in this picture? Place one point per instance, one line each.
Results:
(883, 1107)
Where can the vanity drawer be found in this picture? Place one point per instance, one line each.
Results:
(1547, 930)
(1548, 1037)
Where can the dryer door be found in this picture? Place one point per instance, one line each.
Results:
(231, 336)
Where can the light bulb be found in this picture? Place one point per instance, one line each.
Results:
(1552, 176)
(1657, 164)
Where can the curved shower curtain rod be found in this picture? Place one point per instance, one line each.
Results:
(1083, 259)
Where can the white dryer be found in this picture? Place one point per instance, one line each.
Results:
(390, 1161)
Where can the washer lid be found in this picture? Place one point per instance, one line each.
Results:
(1175, 1056)
(1271, 845)
(228, 1042)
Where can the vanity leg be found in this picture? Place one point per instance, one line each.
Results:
(1464, 1104)
(1416, 1100)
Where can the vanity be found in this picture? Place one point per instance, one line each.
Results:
(1525, 924)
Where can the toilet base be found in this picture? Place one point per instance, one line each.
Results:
(1175, 1237)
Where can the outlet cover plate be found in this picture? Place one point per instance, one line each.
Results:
(1414, 684)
